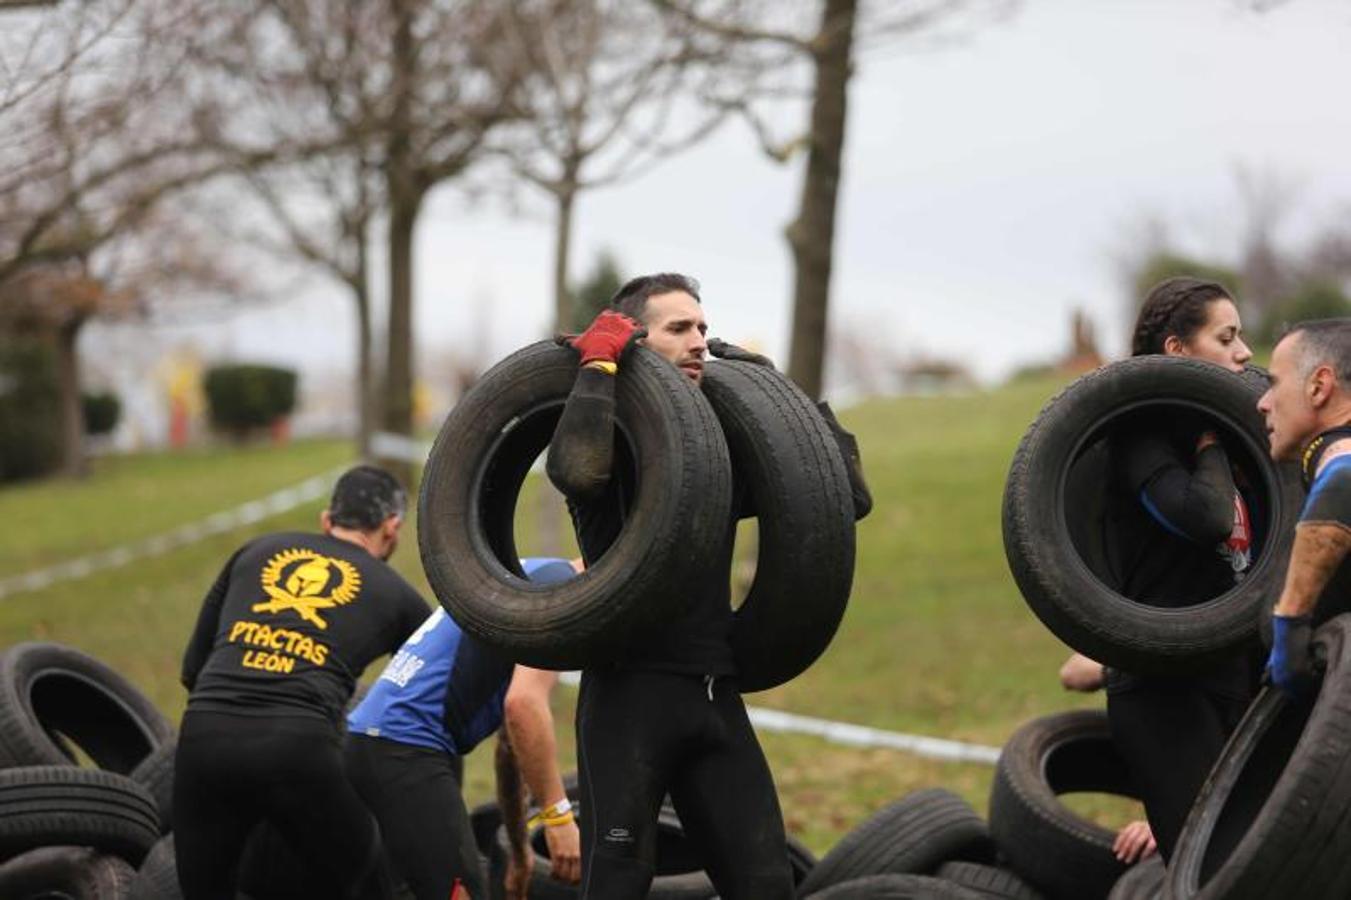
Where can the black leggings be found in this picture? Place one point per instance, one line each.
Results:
(1170, 732)
(641, 734)
(232, 772)
(416, 797)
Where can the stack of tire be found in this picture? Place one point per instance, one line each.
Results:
(85, 780)
(1270, 821)
(684, 444)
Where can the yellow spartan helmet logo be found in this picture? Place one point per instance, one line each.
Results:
(303, 588)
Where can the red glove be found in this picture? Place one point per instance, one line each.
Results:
(608, 337)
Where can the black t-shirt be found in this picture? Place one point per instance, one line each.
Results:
(290, 624)
(1329, 503)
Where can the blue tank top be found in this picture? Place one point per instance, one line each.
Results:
(444, 689)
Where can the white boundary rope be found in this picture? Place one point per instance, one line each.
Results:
(778, 721)
(254, 511)
(289, 498)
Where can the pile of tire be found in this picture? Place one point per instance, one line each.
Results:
(85, 781)
(1270, 820)
(684, 444)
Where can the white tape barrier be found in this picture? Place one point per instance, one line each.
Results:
(254, 511)
(780, 722)
(396, 446)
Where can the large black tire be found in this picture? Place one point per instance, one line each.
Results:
(895, 887)
(679, 875)
(988, 881)
(914, 835)
(157, 878)
(156, 774)
(676, 521)
(1061, 853)
(53, 696)
(1271, 820)
(43, 806)
(1054, 496)
(799, 488)
(1143, 881)
(65, 873)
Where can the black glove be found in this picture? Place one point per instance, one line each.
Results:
(723, 350)
(853, 463)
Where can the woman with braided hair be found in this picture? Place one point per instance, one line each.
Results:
(1180, 535)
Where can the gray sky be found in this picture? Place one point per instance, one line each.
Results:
(987, 186)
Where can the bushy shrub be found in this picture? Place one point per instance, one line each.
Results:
(102, 411)
(30, 419)
(242, 398)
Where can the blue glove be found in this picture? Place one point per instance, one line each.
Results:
(1290, 665)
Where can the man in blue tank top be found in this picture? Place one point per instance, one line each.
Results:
(440, 695)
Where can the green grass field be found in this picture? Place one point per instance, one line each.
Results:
(936, 640)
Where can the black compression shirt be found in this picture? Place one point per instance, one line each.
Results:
(1171, 511)
(696, 642)
(291, 623)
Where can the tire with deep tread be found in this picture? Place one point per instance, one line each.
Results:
(51, 695)
(1143, 881)
(65, 873)
(1052, 554)
(895, 887)
(42, 806)
(914, 835)
(1271, 819)
(156, 774)
(474, 475)
(988, 881)
(1061, 853)
(157, 878)
(799, 488)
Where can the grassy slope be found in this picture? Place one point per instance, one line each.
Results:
(936, 640)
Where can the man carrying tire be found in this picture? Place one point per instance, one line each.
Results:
(441, 694)
(668, 716)
(283, 634)
(1308, 416)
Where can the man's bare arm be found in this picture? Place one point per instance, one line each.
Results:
(1319, 549)
(530, 724)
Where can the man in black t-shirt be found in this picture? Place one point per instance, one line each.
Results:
(1308, 415)
(283, 634)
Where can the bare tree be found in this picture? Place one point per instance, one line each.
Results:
(827, 46)
(608, 85)
(412, 89)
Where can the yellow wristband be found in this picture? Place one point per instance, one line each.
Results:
(603, 365)
(552, 816)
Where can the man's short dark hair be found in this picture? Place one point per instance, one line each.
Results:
(364, 497)
(631, 299)
(1324, 342)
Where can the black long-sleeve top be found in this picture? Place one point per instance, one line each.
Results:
(1173, 508)
(599, 484)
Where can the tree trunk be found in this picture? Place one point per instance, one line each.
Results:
(365, 386)
(73, 462)
(398, 393)
(562, 244)
(404, 199)
(811, 236)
